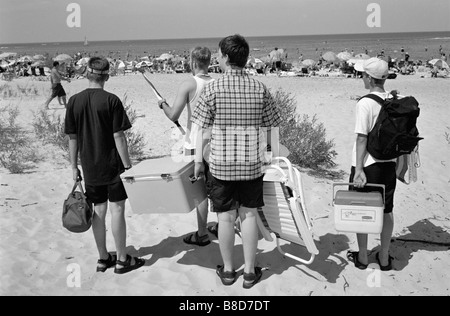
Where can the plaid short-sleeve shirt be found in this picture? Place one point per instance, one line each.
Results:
(238, 108)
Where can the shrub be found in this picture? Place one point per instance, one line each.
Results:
(50, 130)
(17, 153)
(135, 140)
(304, 137)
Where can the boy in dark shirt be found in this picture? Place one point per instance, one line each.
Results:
(95, 122)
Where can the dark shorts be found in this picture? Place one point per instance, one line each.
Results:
(114, 192)
(58, 91)
(380, 173)
(230, 195)
(278, 64)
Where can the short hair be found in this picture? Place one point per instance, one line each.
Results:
(236, 48)
(55, 63)
(201, 55)
(99, 64)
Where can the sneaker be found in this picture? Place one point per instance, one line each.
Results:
(251, 279)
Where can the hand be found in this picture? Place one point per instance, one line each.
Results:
(161, 102)
(76, 175)
(199, 169)
(360, 179)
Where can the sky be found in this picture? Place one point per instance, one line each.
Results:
(43, 21)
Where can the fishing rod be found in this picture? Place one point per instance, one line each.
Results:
(160, 98)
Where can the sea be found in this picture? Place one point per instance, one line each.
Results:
(419, 45)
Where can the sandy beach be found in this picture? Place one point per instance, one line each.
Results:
(38, 256)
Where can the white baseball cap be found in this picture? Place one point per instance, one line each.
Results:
(374, 67)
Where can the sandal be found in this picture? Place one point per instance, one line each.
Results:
(127, 266)
(353, 257)
(251, 279)
(389, 265)
(227, 278)
(214, 229)
(195, 239)
(106, 263)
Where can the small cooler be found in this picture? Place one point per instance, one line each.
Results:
(163, 186)
(358, 212)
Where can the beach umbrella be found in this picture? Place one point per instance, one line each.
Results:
(120, 65)
(39, 57)
(143, 63)
(25, 59)
(38, 63)
(62, 58)
(439, 63)
(165, 56)
(344, 56)
(362, 56)
(308, 63)
(145, 58)
(83, 61)
(329, 57)
(7, 55)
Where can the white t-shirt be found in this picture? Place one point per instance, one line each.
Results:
(366, 113)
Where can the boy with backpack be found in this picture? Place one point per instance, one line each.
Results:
(369, 143)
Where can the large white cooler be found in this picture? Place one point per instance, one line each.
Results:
(358, 212)
(163, 186)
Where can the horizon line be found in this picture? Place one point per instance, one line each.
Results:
(213, 37)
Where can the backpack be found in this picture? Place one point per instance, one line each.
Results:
(77, 211)
(395, 132)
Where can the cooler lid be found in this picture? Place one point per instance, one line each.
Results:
(373, 198)
(160, 166)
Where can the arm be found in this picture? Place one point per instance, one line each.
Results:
(361, 151)
(182, 98)
(122, 148)
(73, 155)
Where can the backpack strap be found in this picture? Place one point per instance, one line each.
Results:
(373, 97)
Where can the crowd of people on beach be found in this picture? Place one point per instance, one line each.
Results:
(235, 188)
(275, 62)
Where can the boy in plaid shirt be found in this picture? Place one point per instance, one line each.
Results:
(235, 108)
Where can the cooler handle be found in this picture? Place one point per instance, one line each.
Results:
(193, 179)
(367, 184)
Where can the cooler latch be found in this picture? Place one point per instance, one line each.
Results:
(166, 176)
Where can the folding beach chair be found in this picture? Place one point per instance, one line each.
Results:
(284, 213)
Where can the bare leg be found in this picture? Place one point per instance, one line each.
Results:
(202, 218)
(249, 237)
(99, 229)
(62, 101)
(386, 235)
(119, 228)
(362, 246)
(226, 238)
(50, 98)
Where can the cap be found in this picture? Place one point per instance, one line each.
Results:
(374, 67)
(359, 65)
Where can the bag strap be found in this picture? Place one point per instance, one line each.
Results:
(78, 184)
(374, 97)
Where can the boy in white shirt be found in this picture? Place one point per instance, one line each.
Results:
(367, 169)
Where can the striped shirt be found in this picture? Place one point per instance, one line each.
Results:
(238, 108)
